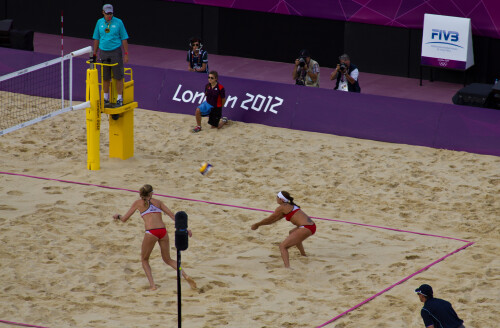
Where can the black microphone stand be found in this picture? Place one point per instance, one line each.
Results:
(179, 268)
(181, 244)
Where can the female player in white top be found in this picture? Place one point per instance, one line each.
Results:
(151, 211)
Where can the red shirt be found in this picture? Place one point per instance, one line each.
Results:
(215, 94)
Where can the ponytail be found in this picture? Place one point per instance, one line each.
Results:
(286, 194)
(144, 192)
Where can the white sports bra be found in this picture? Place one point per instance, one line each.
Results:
(151, 209)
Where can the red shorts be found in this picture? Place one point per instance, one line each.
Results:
(311, 227)
(159, 233)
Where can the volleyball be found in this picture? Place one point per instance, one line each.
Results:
(206, 169)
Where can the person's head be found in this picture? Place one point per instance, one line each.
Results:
(213, 77)
(107, 11)
(284, 197)
(344, 59)
(305, 55)
(146, 192)
(424, 292)
(195, 44)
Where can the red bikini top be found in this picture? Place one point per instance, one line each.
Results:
(289, 215)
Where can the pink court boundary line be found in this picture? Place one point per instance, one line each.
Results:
(469, 243)
(20, 324)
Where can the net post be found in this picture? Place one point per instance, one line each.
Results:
(62, 62)
(62, 83)
(71, 81)
(93, 120)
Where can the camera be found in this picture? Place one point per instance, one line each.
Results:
(302, 62)
(343, 67)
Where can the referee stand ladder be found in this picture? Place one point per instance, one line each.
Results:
(121, 119)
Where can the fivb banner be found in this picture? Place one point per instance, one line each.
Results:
(447, 42)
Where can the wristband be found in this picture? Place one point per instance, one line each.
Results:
(126, 53)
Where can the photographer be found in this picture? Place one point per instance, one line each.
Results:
(197, 57)
(346, 75)
(306, 70)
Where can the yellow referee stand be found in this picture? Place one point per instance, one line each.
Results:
(121, 119)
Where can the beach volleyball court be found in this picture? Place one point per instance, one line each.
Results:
(66, 264)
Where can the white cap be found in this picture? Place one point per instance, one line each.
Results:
(107, 8)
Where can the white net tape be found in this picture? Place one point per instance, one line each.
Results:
(37, 93)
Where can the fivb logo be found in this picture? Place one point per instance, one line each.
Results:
(445, 37)
(443, 34)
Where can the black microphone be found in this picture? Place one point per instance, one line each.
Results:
(181, 233)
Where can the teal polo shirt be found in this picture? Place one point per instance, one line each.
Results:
(113, 39)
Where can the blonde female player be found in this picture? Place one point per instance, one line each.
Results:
(305, 227)
(151, 211)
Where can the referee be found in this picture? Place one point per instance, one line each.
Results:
(109, 37)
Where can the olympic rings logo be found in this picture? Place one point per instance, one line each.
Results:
(443, 62)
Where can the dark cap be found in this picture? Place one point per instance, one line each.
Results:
(425, 290)
(304, 53)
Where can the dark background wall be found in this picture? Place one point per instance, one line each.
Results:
(374, 48)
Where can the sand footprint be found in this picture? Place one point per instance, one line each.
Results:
(7, 208)
(205, 289)
(52, 190)
(245, 257)
(211, 285)
(228, 299)
(398, 264)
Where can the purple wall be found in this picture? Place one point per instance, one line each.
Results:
(401, 13)
(397, 120)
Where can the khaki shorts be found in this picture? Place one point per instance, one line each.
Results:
(111, 57)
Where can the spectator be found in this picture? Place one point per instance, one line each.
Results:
(437, 313)
(212, 106)
(346, 74)
(306, 70)
(197, 57)
(109, 37)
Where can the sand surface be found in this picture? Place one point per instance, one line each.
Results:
(65, 263)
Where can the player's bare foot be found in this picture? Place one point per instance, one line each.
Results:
(153, 288)
(191, 282)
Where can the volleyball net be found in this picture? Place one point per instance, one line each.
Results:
(39, 92)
